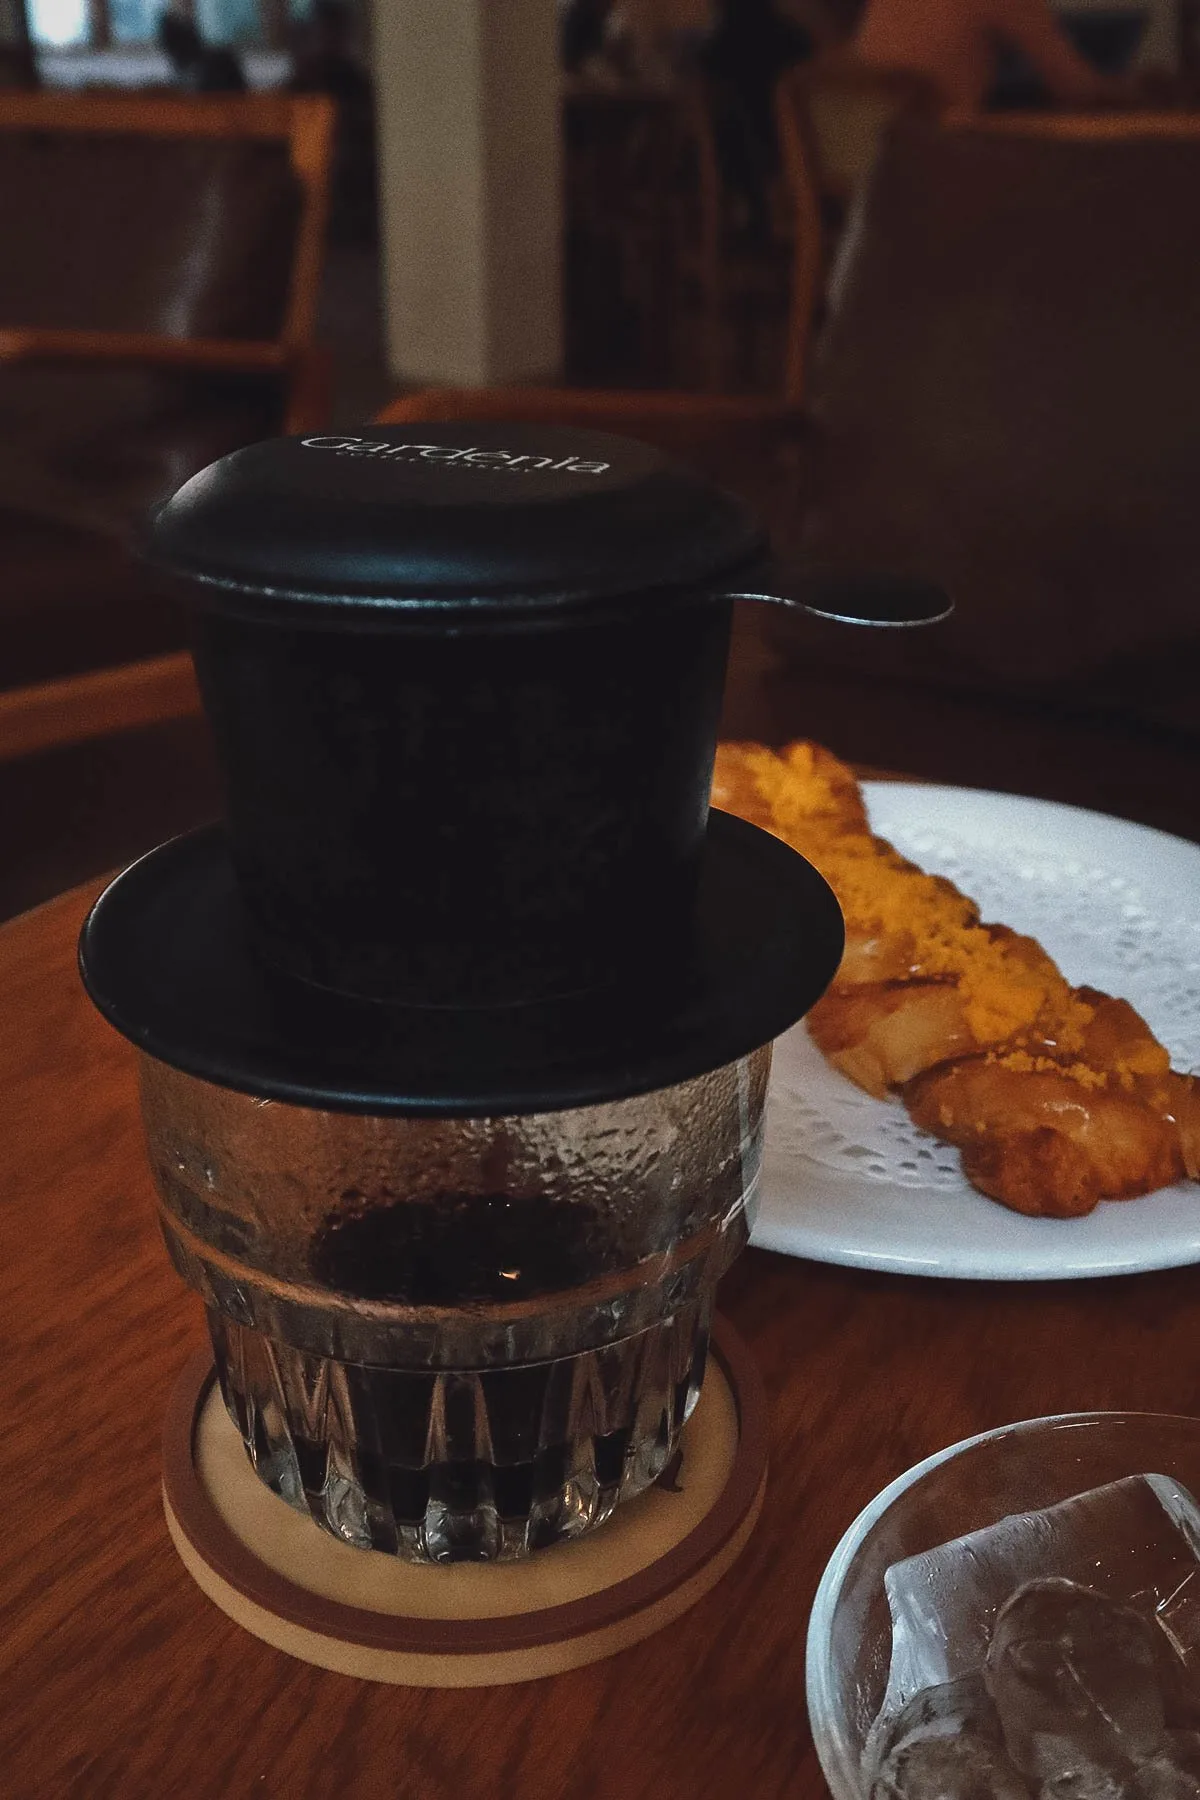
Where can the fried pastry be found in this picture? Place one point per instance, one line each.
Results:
(1056, 1097)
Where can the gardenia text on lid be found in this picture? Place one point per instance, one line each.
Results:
(444, 453)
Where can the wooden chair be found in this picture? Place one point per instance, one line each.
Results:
(661, 287)
(304, 123)
(603, 409)
(735, 285)
(832, 115)
(1173, 124)
(619, 147)
(178, 313)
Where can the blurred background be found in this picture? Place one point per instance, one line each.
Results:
(919, 278)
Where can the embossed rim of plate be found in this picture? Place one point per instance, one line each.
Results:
(228, 1558)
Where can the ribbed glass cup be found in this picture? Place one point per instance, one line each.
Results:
(458, 1339)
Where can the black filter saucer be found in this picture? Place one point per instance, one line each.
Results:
(165, 957)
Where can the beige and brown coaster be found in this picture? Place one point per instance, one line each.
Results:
(364, 1613)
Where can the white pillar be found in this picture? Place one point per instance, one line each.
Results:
(467, 93)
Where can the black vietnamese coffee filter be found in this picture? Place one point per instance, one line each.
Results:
(465, 682)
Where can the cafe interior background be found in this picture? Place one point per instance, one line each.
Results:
(915, 327)
(978, 364)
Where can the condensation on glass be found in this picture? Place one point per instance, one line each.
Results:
(458, 1339)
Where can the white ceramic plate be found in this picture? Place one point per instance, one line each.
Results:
(849, 1179)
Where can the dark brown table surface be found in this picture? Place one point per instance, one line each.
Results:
(118, 1679)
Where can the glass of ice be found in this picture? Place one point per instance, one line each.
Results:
(1018, 1470)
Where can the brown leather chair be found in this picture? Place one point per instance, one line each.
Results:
(1007, 395)
(157, 309)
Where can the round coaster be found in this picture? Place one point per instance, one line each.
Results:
(360, 1612)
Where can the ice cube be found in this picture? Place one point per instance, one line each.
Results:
(1184, 1748)
(1174, 1774)
(1137, 1539)
(961, 1767)
(1161, 1779)
(963, 1705)
(1074, 1675)
(1088, 1783)
(945, 1743)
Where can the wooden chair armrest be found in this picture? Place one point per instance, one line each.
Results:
(77, 707)
(305, 368)
(147, 349)
(601, 406)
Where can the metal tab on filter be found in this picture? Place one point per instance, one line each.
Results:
(851, 597)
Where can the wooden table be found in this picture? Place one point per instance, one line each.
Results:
(121, 1682)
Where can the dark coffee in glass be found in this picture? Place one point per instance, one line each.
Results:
(458, 1338)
